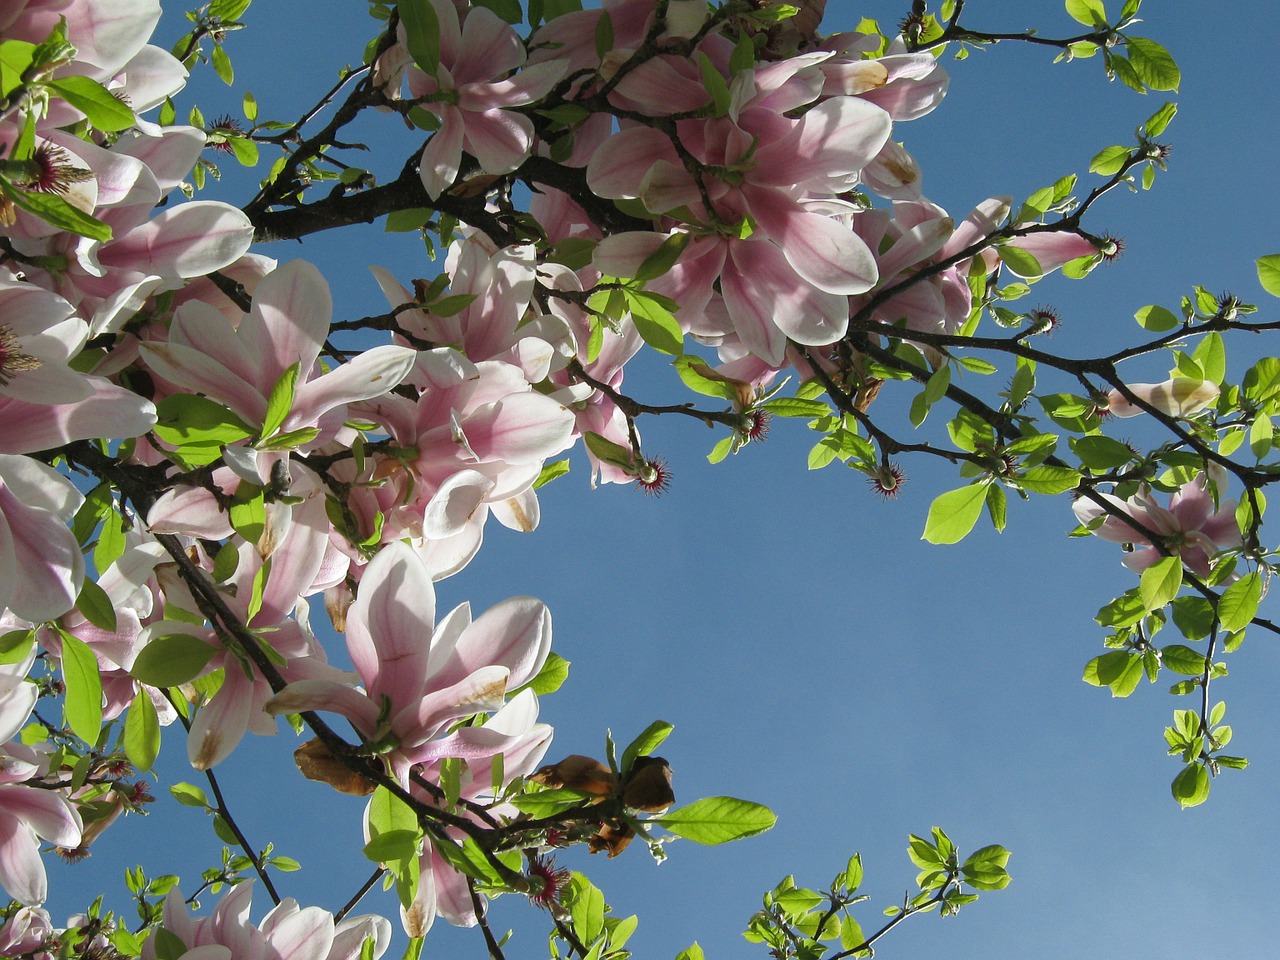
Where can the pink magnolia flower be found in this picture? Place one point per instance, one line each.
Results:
(27, 812)
(1191, 524)
(287, 932)
(443, 891)
(472, 93)
(29, 934)
(43, 402)
(105, 38)
(474, 440)
(283, 619)
(1178, 397)
(905, 85)
(286, 325)
(420, 676)
(41, 567)
(790, 274)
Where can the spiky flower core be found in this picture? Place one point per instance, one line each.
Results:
(12, 359)
(1043, 320)
(887, 480)
(755, 425)
(1112, 248)
(52, 171)
(223, 130)
(547, 881)
(653, 477)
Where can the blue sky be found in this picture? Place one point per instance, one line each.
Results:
(813, 653)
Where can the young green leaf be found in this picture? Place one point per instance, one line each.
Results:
(83, 706)
(716, 820)
(171, 660)
(142, 732)
(648, 741)
(953, 514)
(422, 33)
(1089, 12)
(280, 402)
(1269, 273)
(1239, 603)
(1191, 787)
(91, 98)
(1160, 582)
(1153, 64)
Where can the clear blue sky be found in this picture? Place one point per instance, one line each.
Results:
(812, 652)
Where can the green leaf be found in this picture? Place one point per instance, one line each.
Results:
(656, 325)
(83, 706)
(1269, 273)
(96, 606)
(716, 820)
(1239, 603)
(280, 402)
(222, 65)
(977, 365)
(554, 672)
(189, 795)
(142, 732)
(1109, 161)
(508, 10)
(953, 514)
(422, 33)
(16, 56)
(923, 853)
(1156, 319)
(1261, 436)
(644, 745)
(984, 869)
(1089, 12)
(1101, 453)
(249, 105)
(171, 660)
(228, 10)
(997, 506)
(547, 803)
(1153, 64)
(1049, 479)
(1160, 582)
(391, 846)
(1159, 120)
(57, 212)
(1193, 616)
(185, 419)
(248, 512)
(1211, 354)
(387, 813)
(1262, 380)
(91, 98)
(1182, 659)
(1120, 670)
(715, 83)
(796, 407)
(1191, 786)
(1119, 66)
(111, 542)
(15, 645)
(607, 451)
(407, 220)
(245, 150)
(1019, 261)
(586, 907)
(556, 468)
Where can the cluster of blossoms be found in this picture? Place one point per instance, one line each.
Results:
(257, 466)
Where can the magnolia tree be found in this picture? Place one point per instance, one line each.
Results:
(194, 453)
